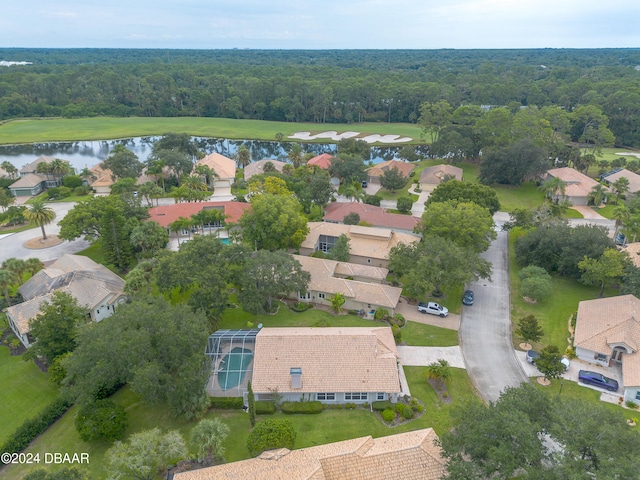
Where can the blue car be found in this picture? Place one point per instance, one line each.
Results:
(467, 298)
(597, 379)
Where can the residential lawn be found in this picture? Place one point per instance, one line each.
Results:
(606, 211)
(571, 213)
(612, 153)
(9, 229)
(95, 253)
(25, 392)
(72, 198)
(329, 426)
(387, 195)
(552, 313)
(526, 195)
(585, 394)
(451, 299)
(421, 335)
(103, 128)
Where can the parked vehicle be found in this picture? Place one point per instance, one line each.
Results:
(433, 308)
(532, 356)
(597, 379)
(467, 298)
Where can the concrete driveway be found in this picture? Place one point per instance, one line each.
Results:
(423, 356)
(411, 313)
(485, 329)
(12, 246)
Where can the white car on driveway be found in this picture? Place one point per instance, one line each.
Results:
(433, 308)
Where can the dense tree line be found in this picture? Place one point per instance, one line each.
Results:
(318, 86)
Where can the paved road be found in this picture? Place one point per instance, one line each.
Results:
(11, 246)
(485, 330)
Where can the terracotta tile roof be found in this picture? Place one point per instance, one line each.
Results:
(378, 170)
(223, 166)
(323, 161)
(433, 175)
(27, 181)
(406, 456)
(323, 279)
(375, 216)
(604, 322)
(164, 215)
(102, 177)
(364, 241)
(578, 184)
(88, 282)
(33, 166)
(634, 179)
(256, 168)
(322, 353)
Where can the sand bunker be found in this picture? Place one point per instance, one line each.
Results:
(637, 155)
(333, 135)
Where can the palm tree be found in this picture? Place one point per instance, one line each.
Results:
(40, 214)
(44, 168)
(9, 168)
(439, 372)
(244, 156)
(621, 215)
(194, 182)
(353, 191)
(621, 187)
(6, 279)
(207, 172)
(59, 168)
(554, 188)
(16, 266)
(598, 194)
(34, 265)
(156, 170)
(296, 155)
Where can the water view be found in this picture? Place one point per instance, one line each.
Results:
(88, 153)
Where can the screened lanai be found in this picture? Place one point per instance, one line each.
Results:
(231, 354)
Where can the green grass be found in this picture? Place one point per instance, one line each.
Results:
(16, 229)
(571, 213)
(421, 335)
(588, 395)
(526, 195)
(102, 128)
(553, 313)
(329, 426)
(606, 211)
(25, 392)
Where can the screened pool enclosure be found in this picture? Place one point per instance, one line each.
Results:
(231, 354)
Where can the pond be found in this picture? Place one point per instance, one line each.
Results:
(83, 154)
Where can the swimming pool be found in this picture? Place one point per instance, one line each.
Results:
(233, 367)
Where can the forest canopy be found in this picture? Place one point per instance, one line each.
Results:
(338, 86)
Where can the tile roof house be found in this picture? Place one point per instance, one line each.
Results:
(578, 185)
(361, 285)
(407, 456)
(93, 285)
(165, 215)
(256, 168)
(323, 161)
(31, 182)
(224, 167)
(431, 177)
(608, 334)
(101, 179)
(374, 173)
(634, 179)
(368, 245)
(371, 214)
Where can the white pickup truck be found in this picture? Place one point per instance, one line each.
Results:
(433, 308)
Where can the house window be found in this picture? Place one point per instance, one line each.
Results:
(380, 396)
(306, 296)
(326, 242)
(321, 295)
(601, 358)
(368, 260)
(638, 395)
(356, 396)
(325, 396)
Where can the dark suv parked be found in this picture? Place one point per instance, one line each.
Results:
(597, 379)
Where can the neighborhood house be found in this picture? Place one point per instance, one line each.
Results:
(224, 168)
(94, 286)
(305, 364)
(371, 214)
(577, 188)
(431, 177)
(377, 171)
(31, 183)
(608, 334)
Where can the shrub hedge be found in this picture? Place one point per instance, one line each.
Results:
(302, 407)
(227, 403)
(33, 427)
(382, 405)
(388, 415)
(265, 408)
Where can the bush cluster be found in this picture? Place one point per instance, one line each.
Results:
(416, 406)
(271, 434)
(300, 306)
(33, 427)
(388, 415)
(265, 408)
(302, 407)
(372, 200)
(350, 406)
(381, 405)
(227, 403)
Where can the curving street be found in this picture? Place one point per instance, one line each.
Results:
(485, 329)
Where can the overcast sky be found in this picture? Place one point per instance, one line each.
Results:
(320, 24)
